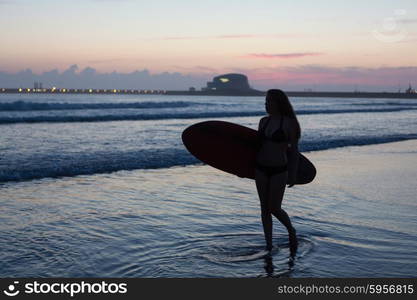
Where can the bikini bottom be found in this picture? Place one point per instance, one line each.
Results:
(271, 170)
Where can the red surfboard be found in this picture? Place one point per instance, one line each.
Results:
(232, 148)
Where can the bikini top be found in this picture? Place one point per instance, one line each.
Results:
(278, 136)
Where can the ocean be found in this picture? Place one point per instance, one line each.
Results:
(101, 186)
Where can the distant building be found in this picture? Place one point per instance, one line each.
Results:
(191, 89)
(229, 83)
(410, 90)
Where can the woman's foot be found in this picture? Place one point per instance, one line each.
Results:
(292, 237)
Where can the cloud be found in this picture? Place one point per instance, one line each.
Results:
(322, 77)
(317, 77)
(283, 55)
(116, 1)
(103, 61)
(197, 69)
(237, 36)
(177, 38)
(230, 36)
(7, 2)
(408, 21)
(89, 77)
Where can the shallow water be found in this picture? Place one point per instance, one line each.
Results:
(196, 221)
(43, 136)
(102, 186)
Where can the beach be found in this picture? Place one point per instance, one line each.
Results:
(117, 117)
(102, 186)
(357, 219)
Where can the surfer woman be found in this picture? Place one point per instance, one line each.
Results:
(277, 162)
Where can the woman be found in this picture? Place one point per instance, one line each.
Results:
(277, 162)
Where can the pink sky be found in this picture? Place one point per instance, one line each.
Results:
(328, 44)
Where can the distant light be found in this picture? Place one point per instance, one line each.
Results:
(114, 91)
(224, 80)
(64, 90)
(28, 90)
(90, 90)
(20, 90)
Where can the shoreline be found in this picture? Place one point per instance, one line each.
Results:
(313, 153)
(361, 150)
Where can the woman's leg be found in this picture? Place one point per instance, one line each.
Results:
(276, 194)
(262, 186)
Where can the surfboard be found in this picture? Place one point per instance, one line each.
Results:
(232, 148)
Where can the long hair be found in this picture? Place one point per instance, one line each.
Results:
(284, 106)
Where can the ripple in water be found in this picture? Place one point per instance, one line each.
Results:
(228, 255)
(243, 247)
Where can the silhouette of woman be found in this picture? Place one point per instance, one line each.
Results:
(277, 162)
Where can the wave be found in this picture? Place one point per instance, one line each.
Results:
(411, 104)
(137, 117)
(180, 115)
(63, 165)
(33, 106)
(306, 146)
(26, 106)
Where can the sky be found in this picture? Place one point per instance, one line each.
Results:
(293, 45)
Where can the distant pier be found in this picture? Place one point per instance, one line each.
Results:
(55, 90)
(231, 84)
(206, 93)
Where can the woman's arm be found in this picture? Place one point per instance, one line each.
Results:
(293, 158)
(261, 123)
(260, 127)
